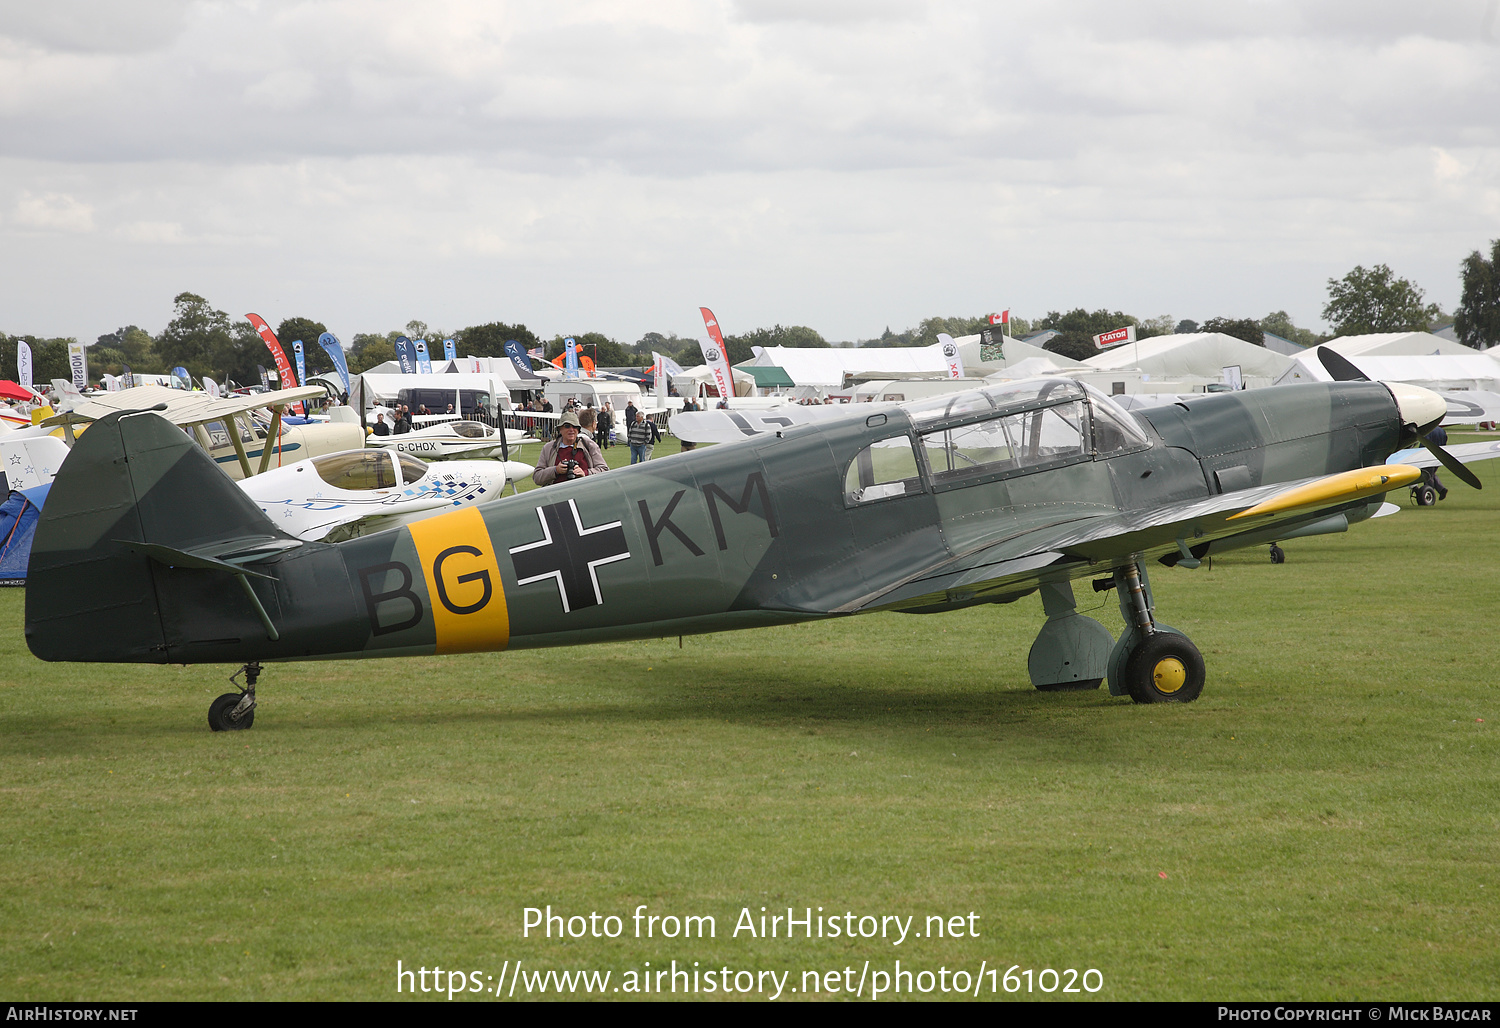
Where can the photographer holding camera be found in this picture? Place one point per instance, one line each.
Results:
(568, 457)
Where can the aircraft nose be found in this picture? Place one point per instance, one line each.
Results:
(1420, 407)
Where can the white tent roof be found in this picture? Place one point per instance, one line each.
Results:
(1193, 355)
(1031, 367)
(1470, 370)
(1016, 351)
(1398, 344)
(827, 367)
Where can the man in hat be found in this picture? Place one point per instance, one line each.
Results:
(570, 456)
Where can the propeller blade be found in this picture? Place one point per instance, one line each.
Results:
(1337, 365)
(1452, 463)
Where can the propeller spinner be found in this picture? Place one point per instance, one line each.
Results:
(1421, 409)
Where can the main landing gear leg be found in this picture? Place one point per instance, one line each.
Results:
(235, 711)
(1153, 662)
(1072, 651)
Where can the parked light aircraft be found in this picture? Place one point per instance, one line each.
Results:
(356, 492)
(210, 420)
(448, 439)
(971, 498)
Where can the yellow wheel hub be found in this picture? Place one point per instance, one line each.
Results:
(1169, 675)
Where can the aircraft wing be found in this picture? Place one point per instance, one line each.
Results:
(1467, 453)
(183, 407)
(1077, 545)
(725, 426)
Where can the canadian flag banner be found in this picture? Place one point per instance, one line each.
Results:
(1003, 318)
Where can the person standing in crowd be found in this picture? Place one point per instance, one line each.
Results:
(606, 425)
(586, 422)
(630, 413)
(568, 457)
(643, 436)
(381, 428)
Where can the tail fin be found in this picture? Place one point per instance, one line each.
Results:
(133, 488)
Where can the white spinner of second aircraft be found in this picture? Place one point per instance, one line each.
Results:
(356, 492)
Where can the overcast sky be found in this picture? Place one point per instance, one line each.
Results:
(844, 164)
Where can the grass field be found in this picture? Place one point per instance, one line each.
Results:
(1323, 823)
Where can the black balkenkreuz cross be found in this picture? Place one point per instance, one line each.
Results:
(570, 554)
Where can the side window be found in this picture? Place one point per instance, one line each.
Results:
(882, 470)
(1012, 443)
(1115, 432)
(411, 469)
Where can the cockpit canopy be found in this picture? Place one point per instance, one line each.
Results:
(992, 433)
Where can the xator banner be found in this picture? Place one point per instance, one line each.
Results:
(714, 356)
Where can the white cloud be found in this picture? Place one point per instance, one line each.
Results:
(53, 212)
(835, 163)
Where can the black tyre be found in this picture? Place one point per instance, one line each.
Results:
(1425, 495)
(1278, 555)
(1165, 668)
(218, 714)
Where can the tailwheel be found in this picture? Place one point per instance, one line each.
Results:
(235, 711)
(1165, 668)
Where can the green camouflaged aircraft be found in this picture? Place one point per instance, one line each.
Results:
(146, 552)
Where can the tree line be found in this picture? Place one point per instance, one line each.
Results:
(207, 341)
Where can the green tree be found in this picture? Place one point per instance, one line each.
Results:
(198, 337)
(488, 340)
(307, 330)
(134, 347)
(370, 350)
(598, 347)
(1477, 320)
(742, 347)
(1280, 323)
(1375, 300)
(49, 358)
(1185, 327)
(1163, 325)
(683, 351)
(1247, 329)
(1076, 330)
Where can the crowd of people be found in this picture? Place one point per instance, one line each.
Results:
(585, 432)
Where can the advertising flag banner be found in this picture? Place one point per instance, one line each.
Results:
(405, 356)
(450, 349)
(991, 346)
(23, 363)
(570, 355)
(335, 350)
(265, 376)
(667, 365)
(519, 358)
(714, 355)
(210, 387)
(301, 358)
(1104, 340)
(1234, 378)
(127, 377)
(285, 378)
(424, 360)
(950, 355)
(78, 363)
